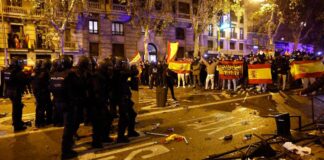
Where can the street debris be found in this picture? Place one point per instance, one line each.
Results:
(170, 129)
(175, 137)
(302, 151)
(3, 115)
(156, 126)
(247, 137)
(156, 134)
(244, 123)
(207, 139)
(228, 137)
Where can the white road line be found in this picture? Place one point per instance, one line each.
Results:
(202, 105)
(213, 123)
(105, 154)
(204, 117)
(216, 97)
(244, 131)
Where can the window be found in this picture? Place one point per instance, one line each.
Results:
(232, 45)
(184, 8)
(93, 26)
(241, 46)
(221, 44)
(180, 33)
(180, 53)
(210, 45)
(210, 30)
(67, 35)
(94, 49)
(242, 19)
(158, 5)
(222, 33)
(233, 16)
(17, 3)
(117, 28)
(241, 33)
(118, 50)
(233, 33)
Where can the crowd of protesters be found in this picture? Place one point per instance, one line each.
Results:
(204, 72)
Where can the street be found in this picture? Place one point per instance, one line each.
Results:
(203, 117)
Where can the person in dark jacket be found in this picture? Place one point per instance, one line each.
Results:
(15, 82)
(170, 81)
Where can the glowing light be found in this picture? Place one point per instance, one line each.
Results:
(319, 53)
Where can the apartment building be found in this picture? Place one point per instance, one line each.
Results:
(104, 30)
(227, 37)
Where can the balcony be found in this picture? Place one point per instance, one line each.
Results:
(71, 45)
(15, 11)
(38, 13)
(184, 15)
(94, 6)
(119, 7)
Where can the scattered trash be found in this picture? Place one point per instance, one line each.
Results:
(155, 126)
(3, 115)
(228, 137)
(171, 129)
(247, 137)
(244, 123)
(156, 134)
(302, 151)
(175, 137)
(207, 139)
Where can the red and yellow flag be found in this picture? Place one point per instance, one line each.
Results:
(230, 69)
(172, 50)
(259, 74)
(179, 67)
(306, 69)
(136, 58)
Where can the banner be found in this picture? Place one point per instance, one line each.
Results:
(179, 67)
(306, 69)
(136, 58)
(172, 50)
(259, 74)
(230, 69)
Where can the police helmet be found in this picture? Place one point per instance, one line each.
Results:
(47, 64)
(38, 65)
(84, 63)
(17, 63)
(66, 62)
(57, 65)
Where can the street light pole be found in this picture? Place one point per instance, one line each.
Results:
(4, 36)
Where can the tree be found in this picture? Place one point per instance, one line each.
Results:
(152, 15)
(270, 18)
(58, 13)
(204, 13)
(303, 17)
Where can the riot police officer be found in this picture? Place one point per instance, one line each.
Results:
(57, 77)
(75, 86)
(40, 83)
(127, 114)
(101, 96)
(15, 82)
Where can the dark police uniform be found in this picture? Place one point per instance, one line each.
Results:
(15, 82)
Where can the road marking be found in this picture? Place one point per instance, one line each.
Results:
(202, 105)
(199, 126)
(155, 151)
(216, 97)
(217, 115)
(106, 154)
(244, 131)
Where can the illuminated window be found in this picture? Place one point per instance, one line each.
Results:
(117, 28)
(210, 30)
(93, 26)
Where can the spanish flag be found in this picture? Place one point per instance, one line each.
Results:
(306, 69)
(179, 67)
(136, 58)
(259, 74)
(172, 50)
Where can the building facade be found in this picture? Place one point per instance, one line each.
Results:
(103, 30)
